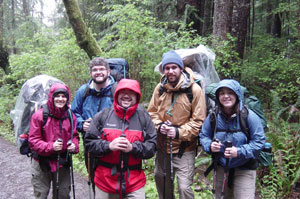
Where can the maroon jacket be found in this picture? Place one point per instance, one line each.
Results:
(42, 143)
(114, 122)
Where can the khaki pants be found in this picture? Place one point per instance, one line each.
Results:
(183, 168)
(138, 194)
(41, 182)
(243, 184)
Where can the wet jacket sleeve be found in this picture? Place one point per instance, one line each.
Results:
(206, 136)
(75, 139)
(77, 108)
(36, 140)
(93, 142)
(147, 148)
(257, 138)
(153, 108)
(190, 130)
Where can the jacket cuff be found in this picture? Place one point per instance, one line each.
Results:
(177, 133)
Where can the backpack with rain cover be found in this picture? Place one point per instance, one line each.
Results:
(119, 69)
(32, 96)
(201, 61)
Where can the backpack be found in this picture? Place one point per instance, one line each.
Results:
(23, 138)
(119, 69)
(250, 102)
(33, 94)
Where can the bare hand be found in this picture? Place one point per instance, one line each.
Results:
(121, 144)
(57, 146)
(71, 148)
(168, 129)
(230, 152)
(86, 124)
(215, 146)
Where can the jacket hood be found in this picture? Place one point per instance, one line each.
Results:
(233, 85)
(132, 85)
(55, 89)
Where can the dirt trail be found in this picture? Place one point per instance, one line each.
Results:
(15, 175)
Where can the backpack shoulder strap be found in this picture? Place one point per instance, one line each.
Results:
(45, 114)
(104, 116)
(213, 120)
(142, 120)
(86, 92)
(244, 121)
(162, 89)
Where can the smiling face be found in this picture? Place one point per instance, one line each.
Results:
(60, 100)
(127, 98)
(227, 98)
(99, 74)
(172, 73)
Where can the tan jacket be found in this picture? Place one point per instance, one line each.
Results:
(188, 117)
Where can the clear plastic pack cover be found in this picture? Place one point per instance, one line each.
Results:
(201, 61)
(33, 94)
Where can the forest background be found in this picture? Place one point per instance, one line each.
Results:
(256, 42)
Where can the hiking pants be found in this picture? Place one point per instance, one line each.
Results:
(41, 182)
(243, 184)
(183, 168)
(138, 194)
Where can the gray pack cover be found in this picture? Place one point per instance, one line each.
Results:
(33, 94)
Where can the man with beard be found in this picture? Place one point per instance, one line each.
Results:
(178, 119)
(93, 97)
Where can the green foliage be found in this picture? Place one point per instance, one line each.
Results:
(139, 38)
(278, 180)
(227, 61)
(276, 68)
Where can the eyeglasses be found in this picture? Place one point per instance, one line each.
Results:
(94, 70)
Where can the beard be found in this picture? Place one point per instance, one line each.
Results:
(101, 81)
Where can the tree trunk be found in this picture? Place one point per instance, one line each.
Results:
(222, 18)
(26, 8)
(276, 29)
(268, 7)
(3, 51)
(207, 17)
(240, 16)
(84, 37)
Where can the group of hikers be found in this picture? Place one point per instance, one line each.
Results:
(118, 134)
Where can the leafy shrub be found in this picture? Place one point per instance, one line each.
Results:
(273, 66)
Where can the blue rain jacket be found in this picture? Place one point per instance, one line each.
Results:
(246, 149)
(93, 103)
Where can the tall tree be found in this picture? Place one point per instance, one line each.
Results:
(84, 37)
(207, 17)
(3, 50)
(240, 16)
(222, 18)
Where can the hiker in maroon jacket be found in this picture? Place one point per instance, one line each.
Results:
(121, 136)
(51, 143)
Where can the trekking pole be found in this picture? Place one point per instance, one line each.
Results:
(215, 165)
(171, 165)
(89, 176)
(72, 172)
(164, 167)
(228, 144)
(57, 171)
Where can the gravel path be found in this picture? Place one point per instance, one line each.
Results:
(15, 175)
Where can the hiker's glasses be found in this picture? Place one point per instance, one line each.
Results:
(101, 70)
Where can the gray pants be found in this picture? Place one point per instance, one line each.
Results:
(138, 194)
(243, 184)
(183, 168)
(41, 182)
